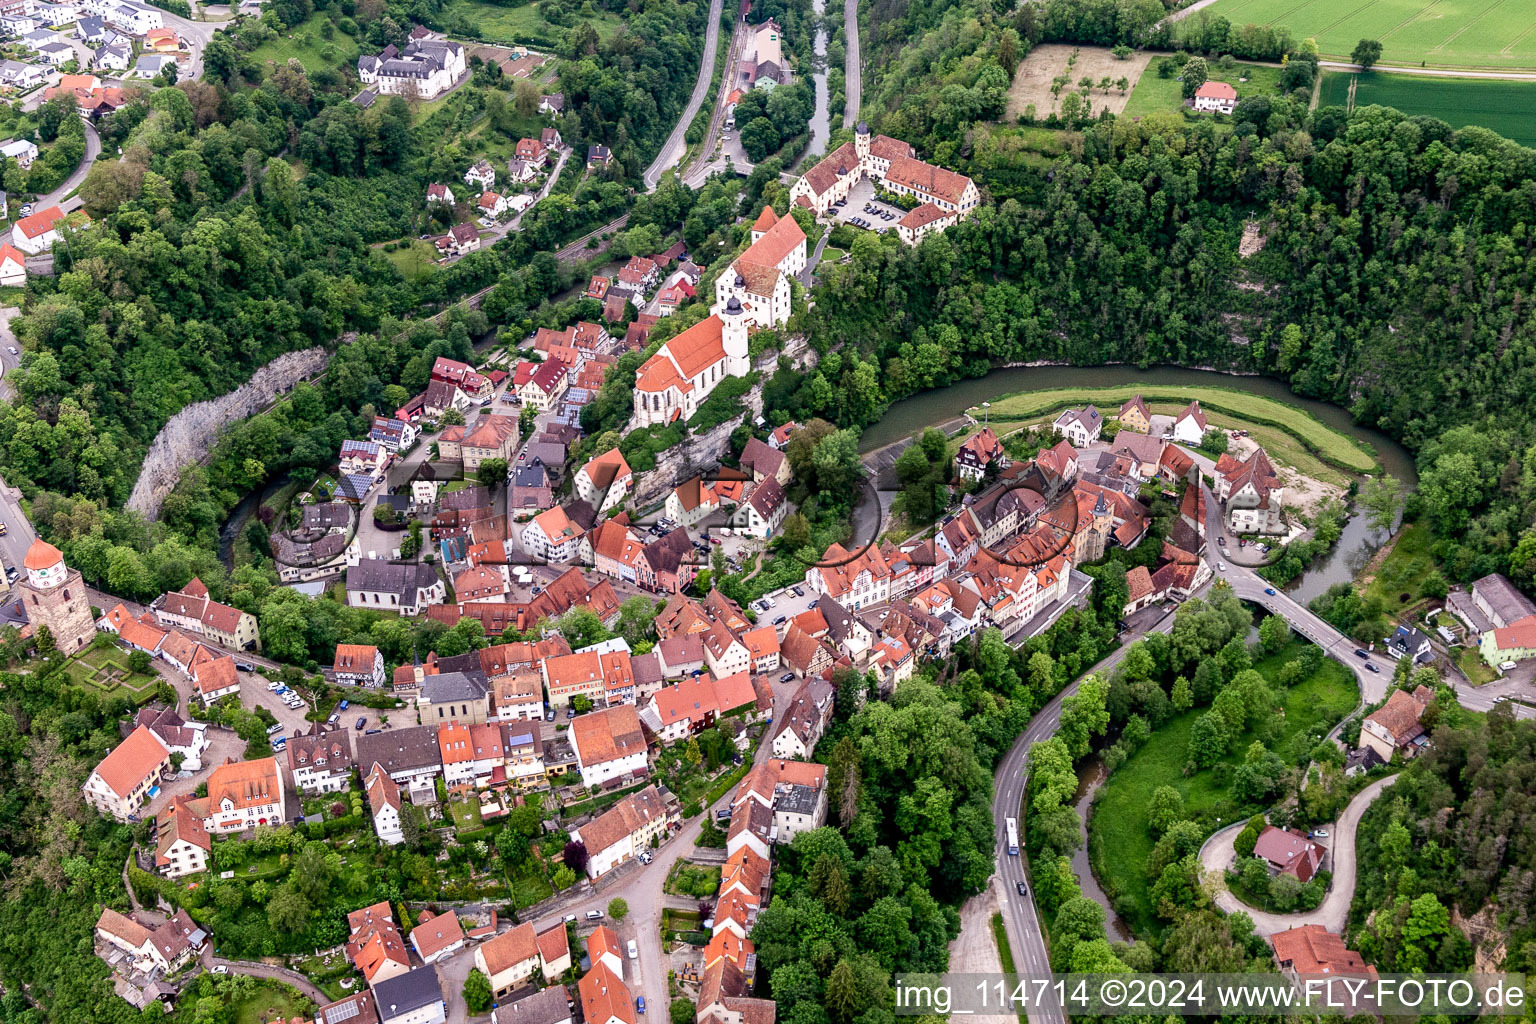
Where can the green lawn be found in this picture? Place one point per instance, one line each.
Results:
(269, 1002)
(1118, 835)
(499, 24)
(465, 814)
(89, 668)
(1508, 108)
(305, 42)
(1473, 666)
(1249, 409)
(1152, 93)
(414, 259)
(1445, 33)
(1396, 584)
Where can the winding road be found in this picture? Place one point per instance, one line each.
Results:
(672, 151)
(1217, 855)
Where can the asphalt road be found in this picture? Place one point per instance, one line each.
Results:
(1216, 855)
(853, 87)
(675, 146)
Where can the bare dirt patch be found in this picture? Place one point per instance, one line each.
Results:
(1032, 82)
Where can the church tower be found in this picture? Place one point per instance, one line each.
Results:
(861, 145)
(53, 595)
(733, 338)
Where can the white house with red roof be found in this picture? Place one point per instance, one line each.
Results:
(1189, 428)
(439, 195)
(674, 382)
(13, 266)
(760, 277)
(38, 232)
(892, 164)
(1216, 98)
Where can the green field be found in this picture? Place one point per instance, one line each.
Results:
(1118, 837)
(1443, 33)
(1316, 436)
(1152, 93)
(1508, 108)
(414, 259)
(305, 42)
(498, 24)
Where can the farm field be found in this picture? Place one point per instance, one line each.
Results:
(1439, 33)
(1034, 405)
(1508, 108)
(1153, 93)
(1032, 82)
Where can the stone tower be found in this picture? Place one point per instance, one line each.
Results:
(861, 144)
(733, 338)
(53, 595)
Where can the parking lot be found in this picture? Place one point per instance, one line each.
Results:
(863, 210)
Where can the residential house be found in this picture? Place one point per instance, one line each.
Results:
(609, 745)
(182, 846)
(691, 502)
(482, 174)
(149, 65)
(637, 279)
(763, 511)
(801, 727)
(437, 936)
(605, 999)
(855, 579)
(547, 1006)
(510, 959)
(598, 158)
(410, 756)
(492, 436)
(978, 452)
(439, 194)
(491, 204)
(165, 948)
(924, 220)
(384, 803)
(554, 104)
(38, 232)
(531, 150)
(804, 654)
(1251, 493)
(1409, 642)
(546, 384)
(358, 665)
(525, 755)
(460, 239)
(1189, 426)
(189, 739)
(415, 997)
(552, 537)
(1395, 726)
(1215, 98)
(1311, 950)
(1514, 642)
(1135, 415)
(392, 434)
(320, 761)
(605, 481)
(122, 782)
(530, 490)
(374, 945)
(244, 794)
(795, 791)
(666, 565)
(620, 833)
(554, 953)
(13, 263)
(1079, 426)
(598, 287)
(357, 1008)
(454, 696)
(23, 151)
(191, 609)
(1290, 852)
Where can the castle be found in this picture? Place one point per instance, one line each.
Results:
(892, 165)
(53, 595)
(759, 278)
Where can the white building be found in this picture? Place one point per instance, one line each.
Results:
(759, 279)
(426, 68)
(609, 744)
(38, 232)
(1080, 426)
(244, 794)
(1216, 98)
(889, 163)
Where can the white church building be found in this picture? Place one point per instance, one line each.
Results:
(674, 382)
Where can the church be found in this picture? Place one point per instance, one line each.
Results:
(673, 383)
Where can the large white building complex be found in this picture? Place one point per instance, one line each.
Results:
(759, 278)
(892, 165)
(426, 68)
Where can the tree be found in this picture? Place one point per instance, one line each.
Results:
(1083, 715)
(138, 661)
(1166, 807)
(1196, 72)
(477, 993)
(618, 908)
(682, 1011)
(1274, 634)
(1383, 499)
(1366, 53)
(287, 910)
(1207, 740)
(1183, 695)
(575, 856)
(492, 473)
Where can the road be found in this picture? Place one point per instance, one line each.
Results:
(1217, 854)
(1020, 919)
(672, 151)
(853, 86)
(696, 172)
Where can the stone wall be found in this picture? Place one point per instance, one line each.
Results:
(699, 453)
(188, 436)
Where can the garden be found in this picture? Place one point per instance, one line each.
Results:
(112, 671)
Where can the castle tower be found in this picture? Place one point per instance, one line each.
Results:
(861, 144)
(733, 338)
(53, 595)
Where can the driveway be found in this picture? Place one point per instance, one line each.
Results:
(1217, 854)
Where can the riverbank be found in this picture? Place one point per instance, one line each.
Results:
(1297, 437)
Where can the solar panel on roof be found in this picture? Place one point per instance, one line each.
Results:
(346, 1011)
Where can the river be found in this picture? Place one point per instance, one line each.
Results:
(1090, 776)
(820, 120)
(1357, 543)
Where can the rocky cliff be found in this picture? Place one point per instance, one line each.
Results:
(188, 436)
(699, 453)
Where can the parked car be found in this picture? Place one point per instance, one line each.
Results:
(549, 716)
(343, 705)
(570, 918)
(639, 1000)
(274, 686)
(634, 950)
(335, 717)
(218, 969)
(786, 677)
(275, 730)
(372, 732)
(1221, 567)
(1320, 833)
(361, 722)
(245, 666)
(594, 915)
(781, 620)
(797, 591)
(570, 713)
